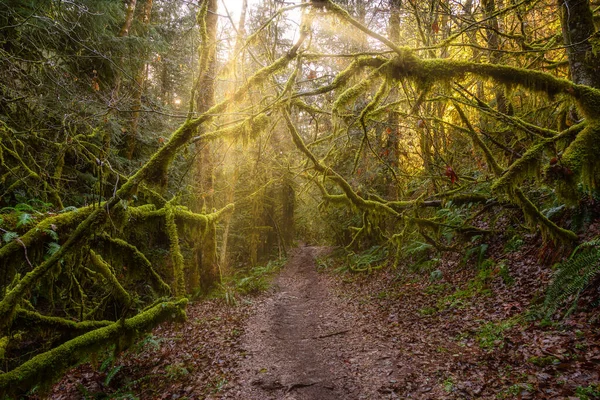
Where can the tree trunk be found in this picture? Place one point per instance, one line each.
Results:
(206, 252)
(128, 19)
(392, 148)
(138, 87)
(578, 28)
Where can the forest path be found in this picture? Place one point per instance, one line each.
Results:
(307, 342)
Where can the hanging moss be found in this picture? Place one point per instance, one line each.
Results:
(582, 157)
(529, 163)
(178, 286)
(43, 369)
(353, 92)
(526, 166)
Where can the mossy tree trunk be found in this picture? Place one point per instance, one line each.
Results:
(582, 41)
(206, 251)
(138, 85)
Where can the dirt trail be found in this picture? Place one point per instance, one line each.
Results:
(305, 342)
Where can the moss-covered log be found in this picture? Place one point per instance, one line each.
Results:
(45, 368)
(26, 318)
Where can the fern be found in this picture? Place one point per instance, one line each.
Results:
(52, 234)
(573, 277)
(112, 374)
(25, 219)
(9, 236)
(53, 247)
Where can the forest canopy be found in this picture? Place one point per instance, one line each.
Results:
(150, 147)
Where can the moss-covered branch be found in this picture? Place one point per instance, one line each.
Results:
(549, 229)
(106, 271)
(47, 367)
(178, 286)
(60, 223)
(153, 172)
(477, 142)
(26, 318)
(354, 198)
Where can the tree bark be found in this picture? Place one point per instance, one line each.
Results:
(128, 19)
(206, 251)
(138, 88)
(578, 29)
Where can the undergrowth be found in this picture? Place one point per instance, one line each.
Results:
(573, 277)
(249, 282)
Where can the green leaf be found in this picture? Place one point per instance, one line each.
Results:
(51, 233)
(24, 207)
(53, 247)
(10, 236)
(25, 219)
(112, 374)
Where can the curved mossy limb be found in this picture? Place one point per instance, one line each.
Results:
(247, 129)
(534, 217)
(183, 214)
(353, 92)
(332, 198)
(44, 368)
(106, 271)
(343, 77)
(355, 199)
(477, 142)
(139, 258)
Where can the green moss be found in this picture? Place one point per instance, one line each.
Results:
(32, 318)
(106, 271)
(3, 345)
(178, 287)
(139, 259)
(14, 295)
(43, 369)
(478, 143)
(526, 166)
(588, 100)
(61, 223)
(534, 217)
(246, 130)
(353, 92)
(582, 156)
(357, 65)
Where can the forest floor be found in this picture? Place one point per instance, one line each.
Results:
(392, 334)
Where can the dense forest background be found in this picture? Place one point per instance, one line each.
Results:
(149, 149)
